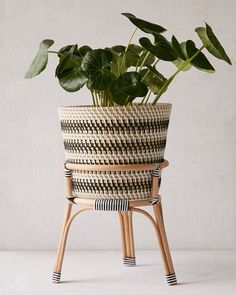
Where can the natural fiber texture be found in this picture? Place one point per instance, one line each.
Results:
(133, 134)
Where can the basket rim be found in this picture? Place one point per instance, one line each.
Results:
(133, 106)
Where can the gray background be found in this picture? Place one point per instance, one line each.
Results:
(199, 186)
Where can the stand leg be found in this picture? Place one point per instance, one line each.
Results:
(170, 276)
(132, 260)
(126, 226)
(122, 231)
(158, 235)
(61, 247)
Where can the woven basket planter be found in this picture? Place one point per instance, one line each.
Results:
(114, 135)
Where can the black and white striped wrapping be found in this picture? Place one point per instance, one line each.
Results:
(134, 134)
(129, 261)
(157, 172)
(171, 279)
(67, 173)
(111, 205)
(56, 277)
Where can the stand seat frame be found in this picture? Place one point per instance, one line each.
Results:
(125, 210)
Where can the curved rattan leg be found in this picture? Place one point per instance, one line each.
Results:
(156, 229)
(62, 244)
(57, 272)
(171, 277)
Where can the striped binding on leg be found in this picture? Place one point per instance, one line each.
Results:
(129, 261)
(111, 205)
(155, 201)
(70, 199)
(171, 279)
(56, 277)
(157, 172)
(67, 173)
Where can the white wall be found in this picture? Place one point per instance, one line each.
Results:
(199, 186)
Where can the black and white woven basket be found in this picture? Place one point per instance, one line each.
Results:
(134, 134)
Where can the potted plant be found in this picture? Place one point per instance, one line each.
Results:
(117, 128)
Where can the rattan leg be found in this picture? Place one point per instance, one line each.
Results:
(156, 229)
(61, 248)
(62, 244)
(171, 277)
(132, 261)
(129, 259)
(122, 231)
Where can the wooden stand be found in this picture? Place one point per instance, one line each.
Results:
(125, 211)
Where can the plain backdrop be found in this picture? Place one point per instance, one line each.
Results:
(198, 188)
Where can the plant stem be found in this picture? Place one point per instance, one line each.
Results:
(163, 88)
(148, 96)
(142, 64)
(96, 97)
(94, 103)
(126, 49)
(51, 51)
(105, 98)
(142, 101)
(149, 70)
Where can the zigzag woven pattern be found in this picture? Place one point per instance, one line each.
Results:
(133, 134)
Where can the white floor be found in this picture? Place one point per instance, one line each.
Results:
(102, 272)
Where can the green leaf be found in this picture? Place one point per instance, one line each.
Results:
(179, 62)
(138, 54)
(131, 59)
(83, 50)
(80, 52)
(163, 50)
(135, 48)
(101, 80)
(177, 48)
(64, 50)
(115, 64)
(183, 47)
(156, 73)
(148, 61)
(72, 80)
(211, 43)
(153, 79)
(96, 60)
(40, 61)
(118, 49)
(68, 59)
(130, 84)
(144, 25)
(97, 64)
(200, 61)
(117, 95)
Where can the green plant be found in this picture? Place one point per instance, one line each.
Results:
(119, 74)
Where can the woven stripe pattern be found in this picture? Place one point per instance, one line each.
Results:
(67, 173)
(134, 134)
(56, 277)
(111, 205)
(129, 261)
(171, 279)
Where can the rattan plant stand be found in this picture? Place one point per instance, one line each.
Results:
(124, 208)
